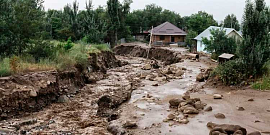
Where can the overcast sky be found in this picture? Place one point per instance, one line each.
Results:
(218, 8)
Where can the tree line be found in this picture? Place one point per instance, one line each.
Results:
(24, 22)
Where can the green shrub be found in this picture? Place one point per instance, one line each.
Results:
(4, 67)
(41, 49)
(263, 84)
(69, 44)
(266, 68)
(77, 56)
(64, 62)
(231, 72)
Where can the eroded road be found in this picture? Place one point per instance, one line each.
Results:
(98, 107)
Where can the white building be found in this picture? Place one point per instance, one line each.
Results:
(230, 32)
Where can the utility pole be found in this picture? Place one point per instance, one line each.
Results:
(150, 42)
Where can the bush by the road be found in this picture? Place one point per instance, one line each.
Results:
(231, 72)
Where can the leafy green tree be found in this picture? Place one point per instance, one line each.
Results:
(117, 13)
(190, 36)
(151, 15)
(231, 21)
(200, 21)
(114, 23)
(219, 43)
(23, 20)
(93, 23)
(255, 49)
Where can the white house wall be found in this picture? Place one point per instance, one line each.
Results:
(200, 46)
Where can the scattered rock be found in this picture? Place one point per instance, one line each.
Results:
(156, 84)
(217, 96)
(63, 99)
(251, 100)
(33, 93)
(238, 132)
(179, 73)
(183, 121)
(208, 109)
(255, 133)
(241, 109)
(143, 75)
(228, 129)
(175, 102)
(147, 67)
(190, 110)
(160, 79)
(217, 131)
(199, 105)
(186, 97)
(115, 129)
(268, 110)
(200, 77)
(257, 121)
(170, 117)
(130, 124)
(220, 116)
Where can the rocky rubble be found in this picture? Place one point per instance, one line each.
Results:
(204, 75)
(186, 107)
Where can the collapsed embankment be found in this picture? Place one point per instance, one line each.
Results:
(164, 55)
(33, 91)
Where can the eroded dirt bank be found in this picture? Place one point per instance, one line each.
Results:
(165, 55)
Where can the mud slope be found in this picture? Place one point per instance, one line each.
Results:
(32, 92)
(165, 55)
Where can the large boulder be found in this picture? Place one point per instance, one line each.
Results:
(190, 110)
(229, 129)
(175, 102)
(217, 96)
(179, 73)
(147, 67)
(200, 77)
(255, 133)
(220, 116)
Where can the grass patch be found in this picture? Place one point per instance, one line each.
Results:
(42, 65)
(97, 48)
(4, 67)
(263, 84)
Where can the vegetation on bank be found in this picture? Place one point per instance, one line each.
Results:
(252, 53)
(264, 82)
(61, 56)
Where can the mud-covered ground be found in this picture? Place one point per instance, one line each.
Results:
(145, 87)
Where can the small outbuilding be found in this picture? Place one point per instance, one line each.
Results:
(225, 57)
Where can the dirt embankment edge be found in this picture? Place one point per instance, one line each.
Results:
(22, 94)
(164, 55)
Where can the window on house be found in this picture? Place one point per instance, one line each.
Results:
(162, 37)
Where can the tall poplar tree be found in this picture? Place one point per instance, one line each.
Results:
(255, 49)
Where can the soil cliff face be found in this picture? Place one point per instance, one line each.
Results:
(33, 91)
(165, 55)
